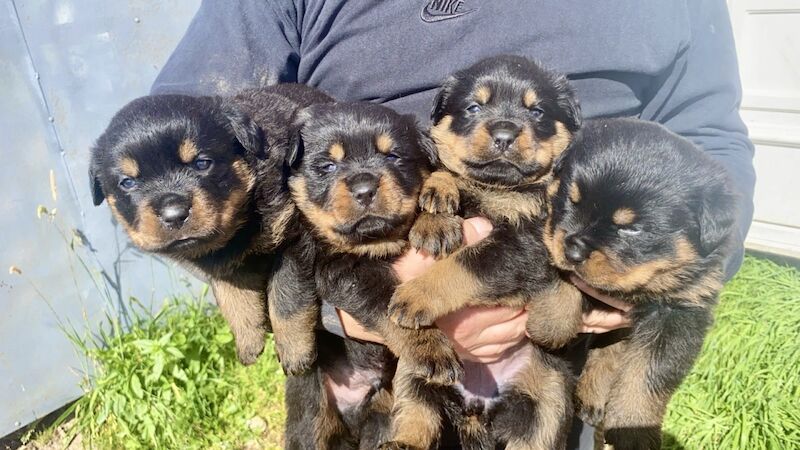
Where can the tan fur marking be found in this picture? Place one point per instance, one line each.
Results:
(598, 376)
(244, 311)
(483, 94)
(294, 335)
(631, 403)
(325, 222)
(555, 316)
(414, 423)
(497, 203)
(574, 193)
(624, 216)
(187, 151)
(552, 188)
(549, 390)
(452, 148)
(557, 143)
(445, 287)
(660, 275)
(439, 193)
(384, 143)
(129, 167)
(336, 152)
(529, 98)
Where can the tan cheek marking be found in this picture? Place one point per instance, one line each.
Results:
(480, 143)
(336, 152)
(574, 193)
(384, 143)
(529, 98)
(129, 167)
(187, 151)
(558, 142)
(623, 216)
(451, 147)
(340, 202)
(552, 188)
(483, 94)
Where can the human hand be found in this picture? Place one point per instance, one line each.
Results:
(603, 321)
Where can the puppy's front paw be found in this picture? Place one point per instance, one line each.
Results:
(591, 414)
(295, 361)
(249, 347)
(439, 194)
(437, 234)
(295, 343)
(410, 310)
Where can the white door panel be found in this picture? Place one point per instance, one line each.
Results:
(768, 43)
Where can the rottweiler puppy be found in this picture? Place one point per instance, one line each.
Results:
(498, 126)
(202, 180)
(642, 215)
(356, 178)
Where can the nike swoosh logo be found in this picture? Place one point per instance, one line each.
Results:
(432, 16)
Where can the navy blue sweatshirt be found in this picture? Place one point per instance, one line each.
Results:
(669, 61)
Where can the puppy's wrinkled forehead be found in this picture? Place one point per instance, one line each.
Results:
(348, 132)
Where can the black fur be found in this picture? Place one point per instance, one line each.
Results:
(245, 138)
(510, 266)
(683, 215)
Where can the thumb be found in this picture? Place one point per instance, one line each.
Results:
(476, 228)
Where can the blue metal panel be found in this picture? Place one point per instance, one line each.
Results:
(65, 67)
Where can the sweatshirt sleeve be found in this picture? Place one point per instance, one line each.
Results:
(699, 99)
(230, 46)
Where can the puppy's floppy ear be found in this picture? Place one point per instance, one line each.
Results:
(568, 102)
(244, 129)
(94, 179)
(296, 146)
(716, 216)
(440, 101)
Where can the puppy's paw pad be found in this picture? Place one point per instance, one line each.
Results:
(437, 234)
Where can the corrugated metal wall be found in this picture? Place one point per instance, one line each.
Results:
(65, 67)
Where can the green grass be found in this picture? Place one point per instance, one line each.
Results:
(744, 391)
(173, 381)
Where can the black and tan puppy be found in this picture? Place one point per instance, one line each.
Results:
(202, 180)
(498, 125)
(356, 182)
(643, 215)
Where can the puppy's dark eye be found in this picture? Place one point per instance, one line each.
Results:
(630, 230)
(537, 113)
(393, 157)
(202, 164)
(473, 108)
(328, 167)
(127, 184)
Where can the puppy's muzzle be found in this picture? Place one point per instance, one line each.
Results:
(173, 211)
(576, 249)
(363, 187)
(504, 133)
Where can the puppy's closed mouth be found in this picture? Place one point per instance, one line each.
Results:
(500, 171)
(181, 244)
(370, 227)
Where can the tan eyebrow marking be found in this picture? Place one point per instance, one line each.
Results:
(483, 94)
(384, 143)
(129, 167)
(624, 216)
(337, 152)
(529, 98)
(187, 152)
(574, 193)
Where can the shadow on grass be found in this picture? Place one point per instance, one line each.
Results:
(670, 442)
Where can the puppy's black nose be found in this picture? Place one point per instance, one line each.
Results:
(174, 211)
(504, 134)
(575, 249)
(363, 187)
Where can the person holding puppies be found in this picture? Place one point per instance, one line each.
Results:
(669, 62)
